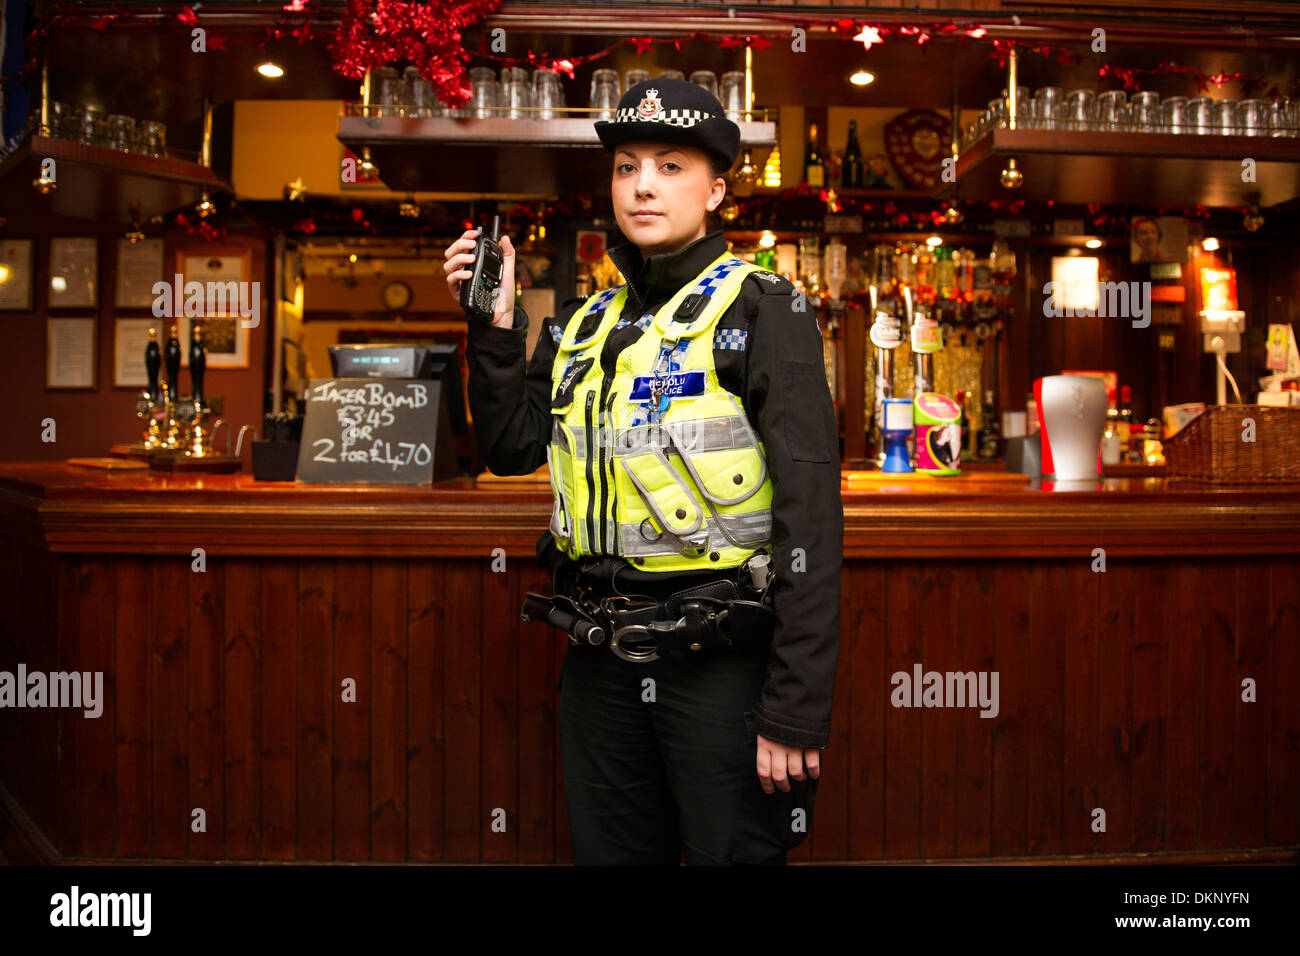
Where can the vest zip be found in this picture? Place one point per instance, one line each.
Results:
(591, 481)
(605, 406)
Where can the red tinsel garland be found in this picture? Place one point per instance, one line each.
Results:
(375, 33)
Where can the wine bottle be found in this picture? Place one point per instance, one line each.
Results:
(814, 173)
(990, 436)
(853, 159)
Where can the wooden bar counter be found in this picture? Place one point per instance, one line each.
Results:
(232, 619)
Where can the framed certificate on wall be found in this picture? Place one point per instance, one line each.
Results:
(16, 274)
(70, 352)
(74, 272)
(130, 337)
(139, 266)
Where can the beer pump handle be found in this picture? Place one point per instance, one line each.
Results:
(198, 362)
(172, 360)
(152, 362)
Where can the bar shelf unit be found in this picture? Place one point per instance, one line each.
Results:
(1093, 166)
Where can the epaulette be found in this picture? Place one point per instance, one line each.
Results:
(770, 283)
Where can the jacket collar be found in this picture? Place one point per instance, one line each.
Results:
(653, 281)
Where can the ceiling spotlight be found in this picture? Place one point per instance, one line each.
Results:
(44, 183)
(134, 235)
(748, 172)
(409, 208)
(295, 191)
(271, 70)
(1093, 243)
(728, 210)
(934, 241)
(1210, 244)
(951, 214)
(205, 208)
(366, 165)
(861, 78)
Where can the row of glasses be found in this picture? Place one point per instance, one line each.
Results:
(517, 96)
(605, 90)
(1145, 112)
(89, 125)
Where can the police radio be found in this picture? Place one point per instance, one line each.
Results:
(478, 291)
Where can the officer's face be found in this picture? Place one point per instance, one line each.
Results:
(661, 193)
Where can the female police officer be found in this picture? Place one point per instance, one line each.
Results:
(697, 532)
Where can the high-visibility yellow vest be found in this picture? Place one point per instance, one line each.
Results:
(678, 489)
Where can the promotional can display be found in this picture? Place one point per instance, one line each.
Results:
(938, 435)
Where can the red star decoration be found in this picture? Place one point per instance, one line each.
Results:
(187, 17)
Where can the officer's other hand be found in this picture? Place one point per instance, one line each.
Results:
(461, 253)
(779, 763)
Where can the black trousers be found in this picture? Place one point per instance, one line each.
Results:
(661, 757)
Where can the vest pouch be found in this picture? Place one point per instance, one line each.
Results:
(563, 465)
(664, 491)
(727, 475)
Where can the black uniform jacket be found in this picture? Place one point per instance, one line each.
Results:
(780, 380)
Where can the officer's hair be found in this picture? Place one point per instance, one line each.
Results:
(718, 167)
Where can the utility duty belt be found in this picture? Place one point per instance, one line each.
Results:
(723, 613)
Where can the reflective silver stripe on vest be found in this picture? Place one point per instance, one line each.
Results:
(753, 529)
(702, 435)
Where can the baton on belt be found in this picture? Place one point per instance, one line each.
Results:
(560, 611)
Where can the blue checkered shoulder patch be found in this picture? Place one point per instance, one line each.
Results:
(730, 338)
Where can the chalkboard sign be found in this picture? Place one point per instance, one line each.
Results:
(384, 431)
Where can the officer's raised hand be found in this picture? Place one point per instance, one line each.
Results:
(461, 253)
(779, 763)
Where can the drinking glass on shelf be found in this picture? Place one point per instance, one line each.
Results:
(1284, 117)
(1081, 109)
(417, 93)
(1024, 109)
(604, 93)
(1112, 111)
(671, 75)
(733, 95)
(483, 91)
(153, 137)
(1225, 117)
(997, 114)
(516, 91)
(1146, 112)
(386, 92)
(1252, 117)
(1047, 107)
(1173, 114)
(707, 79)
(89, 125)
(632, 77)
(63, 120)
(1200, 115)
(546, 93)
(121, 130)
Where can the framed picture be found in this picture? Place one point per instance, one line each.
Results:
(16, 274)
(130, 336)
(216, 269)
(1157, 239)
(70, 352)
(225, 338)
(139, 266)
(74, 272)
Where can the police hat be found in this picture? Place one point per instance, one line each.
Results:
(672, 111)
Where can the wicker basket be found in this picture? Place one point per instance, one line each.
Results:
(1210, 446)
